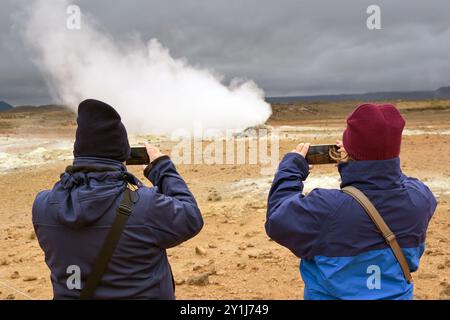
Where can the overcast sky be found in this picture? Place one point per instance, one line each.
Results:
(287, 47)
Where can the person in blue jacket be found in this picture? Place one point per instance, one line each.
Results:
(343, 255)
(72, 220)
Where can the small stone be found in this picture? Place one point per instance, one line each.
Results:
(427, 276)
(15, 275)
(10, 297)
(434, 253)
(197, 267)
(30, 278)
(199, 280)
(447, 263)
(212, 246)
(445, 293)
(241, 266)
(200, 251)
(214, 195)
(4, 262)
(180, 282)
(258, 205)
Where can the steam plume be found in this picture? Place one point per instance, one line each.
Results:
(153, 92)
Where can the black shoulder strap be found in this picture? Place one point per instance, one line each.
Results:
(123, 212)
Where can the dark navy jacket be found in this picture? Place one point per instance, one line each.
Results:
(339, 246)
(73, 219)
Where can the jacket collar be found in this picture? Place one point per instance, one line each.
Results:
(94, 161)
(371, 175)
(115, 164)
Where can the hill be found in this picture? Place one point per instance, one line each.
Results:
(5, 106)
(441, 93)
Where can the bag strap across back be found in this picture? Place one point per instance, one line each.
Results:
(123, 212)
(388, 235)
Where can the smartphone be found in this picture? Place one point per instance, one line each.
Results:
(138, 155)
(321, 154)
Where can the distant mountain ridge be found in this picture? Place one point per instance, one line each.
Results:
(441, 93)
(5, 106)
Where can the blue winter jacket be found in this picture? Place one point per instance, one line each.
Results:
(72, 220)
(343, 256)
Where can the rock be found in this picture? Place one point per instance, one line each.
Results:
(434, 252)
(199, 280)
(427, 276)
(212, 246)
(257, 205)
(447, 263)
(4, 262)
(30, 278)
(214, 195)
(197, 267)
(445, 293)
(200, 251)
(241, 266)
(15, 275)
(441, 266)
(180, 282)
(262, 255)
(250, 234)
(212, 270)
(10, 297)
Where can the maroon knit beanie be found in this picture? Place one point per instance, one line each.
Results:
(374, 132)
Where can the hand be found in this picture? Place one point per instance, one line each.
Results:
(302, 149)
(340, 146)
(153, 152)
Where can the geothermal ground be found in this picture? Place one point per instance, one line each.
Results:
(232, 258)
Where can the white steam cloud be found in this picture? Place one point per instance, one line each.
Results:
(153, 92)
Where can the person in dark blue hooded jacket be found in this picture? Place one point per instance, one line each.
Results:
(343, 255)
(72, 220)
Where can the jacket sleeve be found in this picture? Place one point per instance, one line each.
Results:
(294, 220)
(175, 216)
(421, 188)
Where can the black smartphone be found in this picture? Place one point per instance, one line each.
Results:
(138, 155)
(321, 154)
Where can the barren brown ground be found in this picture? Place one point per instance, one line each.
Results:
(237, 256)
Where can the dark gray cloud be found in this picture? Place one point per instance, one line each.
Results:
(287, 47)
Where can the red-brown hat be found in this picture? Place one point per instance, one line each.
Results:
(374, 132)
